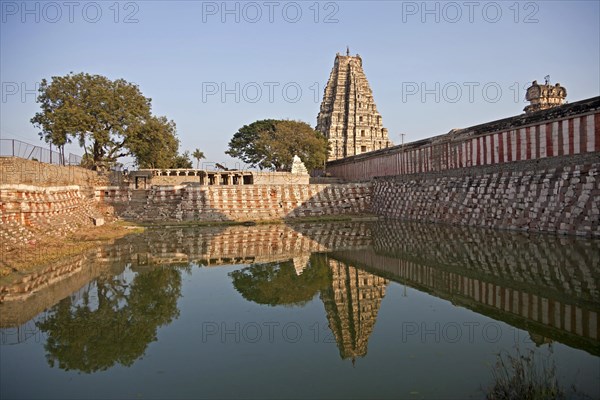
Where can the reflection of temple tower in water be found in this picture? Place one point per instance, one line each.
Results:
(352, 303)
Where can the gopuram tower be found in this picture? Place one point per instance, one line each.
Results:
(348, 117)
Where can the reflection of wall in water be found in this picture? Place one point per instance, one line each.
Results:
(352, 303)
(243, 244)
(22, 300)
(566, 266)
(570, 323)
(205, 246)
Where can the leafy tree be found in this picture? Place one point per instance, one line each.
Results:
(182, 161)
(198, 155)
(94, 337)
(272, 144)
(148, 154)
(109, 119)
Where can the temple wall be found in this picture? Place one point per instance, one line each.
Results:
(571, 129)
(534, 172)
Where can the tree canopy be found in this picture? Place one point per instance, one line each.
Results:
(182, 161)
(156, 144)
(109, 119)
(272, 144)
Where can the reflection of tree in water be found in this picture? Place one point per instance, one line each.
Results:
(93, 336)
(279, 283)
(351, 297)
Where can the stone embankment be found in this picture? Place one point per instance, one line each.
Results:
(559, 195)
(38, 225)
(56, 211)
(40, 201)
(238, 203)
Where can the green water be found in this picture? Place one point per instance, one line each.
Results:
(378, 310)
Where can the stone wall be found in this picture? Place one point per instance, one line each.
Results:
(238, 203)
(29, 212)
(157, 177)
(559, 195)
(39, 199)
(258, 178)
(19, 171)
(279, 178)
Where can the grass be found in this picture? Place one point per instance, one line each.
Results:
(524, 376)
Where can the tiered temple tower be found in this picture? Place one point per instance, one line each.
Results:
(352, 303)
(348, 117)
(543, 97)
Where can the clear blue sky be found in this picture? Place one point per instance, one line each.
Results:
(474, 59)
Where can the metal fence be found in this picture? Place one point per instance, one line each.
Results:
(17, 148)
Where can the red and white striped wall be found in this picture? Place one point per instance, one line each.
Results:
(568, 136)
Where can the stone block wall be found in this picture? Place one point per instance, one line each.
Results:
(18, 171)
(187, 176)
(561, 197)
(279, 178)
(28, 212)
(240, 203)
(164, 180)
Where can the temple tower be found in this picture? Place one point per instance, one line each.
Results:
(543, 97)
(348, 117)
